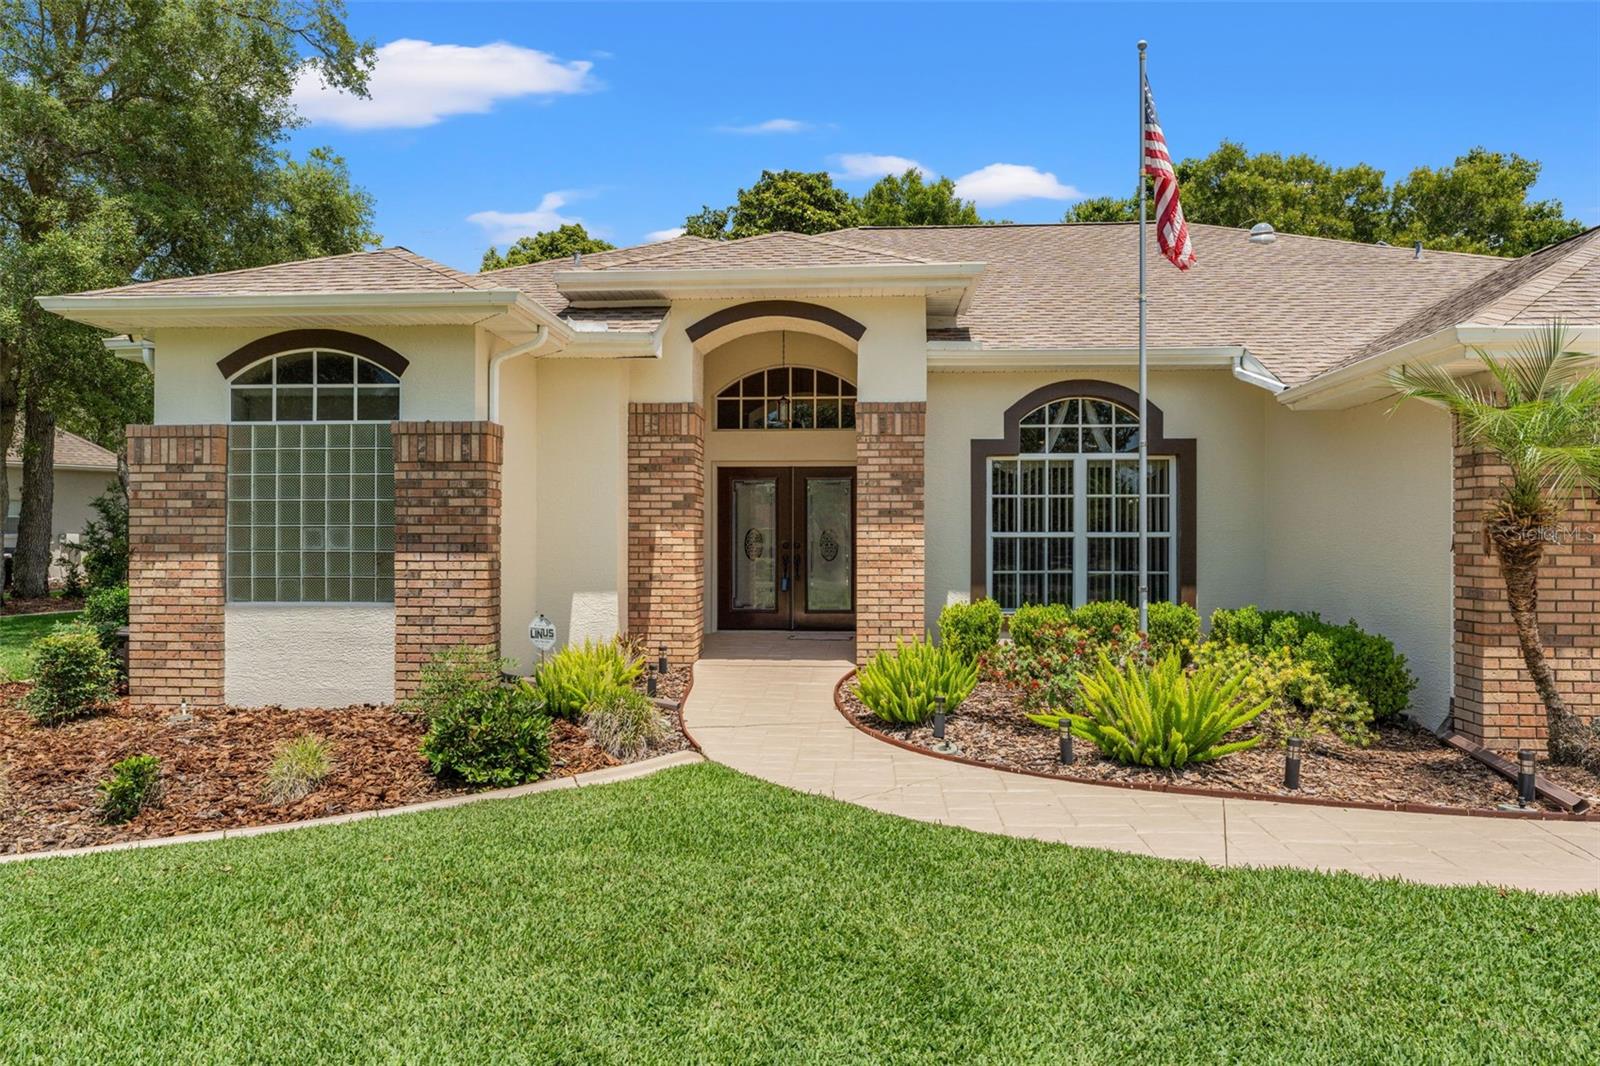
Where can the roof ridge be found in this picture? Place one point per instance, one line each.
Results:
(406, 255)
(1542, 281)
(830, 239)
(629, 254)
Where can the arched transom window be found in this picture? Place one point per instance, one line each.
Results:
(315, 386)
(788, 397)
(1063, 513)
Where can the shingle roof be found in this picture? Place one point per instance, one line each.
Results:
(71, 451)
(383, 270)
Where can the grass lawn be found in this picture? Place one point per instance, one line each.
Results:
(699, 915)
(17, 631)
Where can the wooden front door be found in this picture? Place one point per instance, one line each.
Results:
(786, 548)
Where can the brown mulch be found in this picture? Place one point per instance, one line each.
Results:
(40, 605)
(1405, 764)
(672, 685)
(214, 764)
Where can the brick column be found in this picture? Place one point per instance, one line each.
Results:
(446, 541)
(890, 541)
(1495, 702)
(177, 541)
(667, 527)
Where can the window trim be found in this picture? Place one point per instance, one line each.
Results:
(1183, 450)
(294, 340)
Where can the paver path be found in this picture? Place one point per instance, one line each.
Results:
(763, 704)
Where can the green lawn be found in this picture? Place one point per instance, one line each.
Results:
(699, 915)
(17, 631)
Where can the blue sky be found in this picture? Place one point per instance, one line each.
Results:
(489, 119)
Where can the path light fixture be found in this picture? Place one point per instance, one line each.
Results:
(650, 682)
(661, 662)
(1065, 726)
(1291, 764)
(938, 719)
(1525, 779)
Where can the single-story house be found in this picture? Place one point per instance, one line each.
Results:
(83, 471)
(359, 459)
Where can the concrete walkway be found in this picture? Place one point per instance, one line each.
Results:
(763, 704)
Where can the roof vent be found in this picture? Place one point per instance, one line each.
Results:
(577, 259)
(1263, 233)
(1416, 250)
(1385, 244)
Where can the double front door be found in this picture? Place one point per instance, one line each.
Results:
(786, 547)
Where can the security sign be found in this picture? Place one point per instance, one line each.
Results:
(542, 632)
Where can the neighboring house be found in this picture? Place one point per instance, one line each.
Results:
(83, 470)
(358, 460)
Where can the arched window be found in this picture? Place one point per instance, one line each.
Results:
(314, 386)
(788, 397)
(1063, 511)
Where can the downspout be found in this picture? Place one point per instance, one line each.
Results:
(539, 337)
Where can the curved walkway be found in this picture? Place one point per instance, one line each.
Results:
(763, 704)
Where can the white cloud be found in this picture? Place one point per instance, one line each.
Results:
(418, 83)
(771, 125)
(1001, 183)
(656, 236)
(858, 165)
(503, 227)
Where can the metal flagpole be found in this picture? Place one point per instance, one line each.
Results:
(1144, 455)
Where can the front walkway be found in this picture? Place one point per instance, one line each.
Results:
(763, 704)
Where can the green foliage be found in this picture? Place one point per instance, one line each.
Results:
(577, 677)
(626, 723)
(910, 200)
(1030, 622)
(1242, 625)
(456, 677)
(105, 610)
(902, 685)
(1479, 204)
(105, 540)
(298, 768)
(1044, 671)
(480, 730)
(1160, 715)
(1302, 701)
(1105, 209)
(134, 784)
(792, 200)
(970, 629)
(1173, 627)
(72, 580)
(561, 243)
(72, 674)
(1103, 620)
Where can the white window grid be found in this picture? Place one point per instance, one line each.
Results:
(371, 393)
(817, 399)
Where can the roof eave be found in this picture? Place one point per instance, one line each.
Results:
(139, 314)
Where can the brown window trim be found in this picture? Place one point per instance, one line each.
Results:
(292, 340)
(826, 316)
(1183, 449)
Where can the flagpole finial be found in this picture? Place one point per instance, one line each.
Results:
(1143, 45)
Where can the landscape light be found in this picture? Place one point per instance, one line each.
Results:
(1525, 779)
(1291, 764)
(650, 682)
(938, 719)
(661, 662)
(1067, 757)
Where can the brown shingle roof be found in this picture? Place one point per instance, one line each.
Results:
(71, 451)
(384, 270)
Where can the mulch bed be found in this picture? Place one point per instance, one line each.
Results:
(40, 605)
(1405, 764)
(214, 768)
(672, 685)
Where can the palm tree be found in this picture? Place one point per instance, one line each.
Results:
(1540, 416)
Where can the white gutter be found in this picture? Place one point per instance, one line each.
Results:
(1248, 369)
(965, 355)
(131, 349)
(540, 335)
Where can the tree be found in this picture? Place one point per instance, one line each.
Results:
(908, 200)
(1105, 209)
(139, 139)
(792, 200)
(1542, 423)
(560, 243)
(1478, 205)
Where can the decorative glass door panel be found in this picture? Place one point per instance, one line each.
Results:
(826, 500)
(755, 538)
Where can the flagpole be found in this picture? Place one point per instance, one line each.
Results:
(1144, 420)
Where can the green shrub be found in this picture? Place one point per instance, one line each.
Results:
(902, 685)
(626, 723)
(105, 610)
(105, 540)
(72, 674)
(1044, 672)
(298, 768)
(1240, 626)
(72, 582)
(1303, 702)
(1032, 619)
(480, 730)
(576, 677)
(1160, 715)
(134, 784)
(1104, 619)
(456, 676)
(1172, 628)
(970, 629)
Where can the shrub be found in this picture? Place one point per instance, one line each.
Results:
(1173, 628)
(625, 723)
(72, 674)
(456, 677)
(134, 784)
(501, 739)
(298, 769)
(970, 629)
(1241, 626)
(1302, 701)
(1032, 619)
(72, 583)
(106, 611)
(1104, 619)
(902, 685)
(1044, 672)
(1159, 715)
(105, 540)
(576, 677)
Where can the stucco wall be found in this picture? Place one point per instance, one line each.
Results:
(291, 656)
(74, 491)
(1361, 525)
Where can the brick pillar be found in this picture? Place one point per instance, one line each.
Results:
(1495, 702)
(667, 527)
(446, 541)
(890, 542)
(177, 542)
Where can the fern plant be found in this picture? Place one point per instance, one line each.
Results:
(902, 685)
(1159, 715)
(577, 676)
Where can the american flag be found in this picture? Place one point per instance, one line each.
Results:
(1172, 232)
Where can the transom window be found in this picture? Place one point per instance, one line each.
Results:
(315, 386)
(788, 397)
(1063, 513)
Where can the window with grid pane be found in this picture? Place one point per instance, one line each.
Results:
(788, 397)
(1063, 513)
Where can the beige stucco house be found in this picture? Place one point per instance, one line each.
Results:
(83, 471)
(356, 460)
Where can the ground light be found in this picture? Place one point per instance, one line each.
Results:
(1291, 764)
(940, 743)
(650, 682)
(1525, 777)
(661, 661)
(1067, 757)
